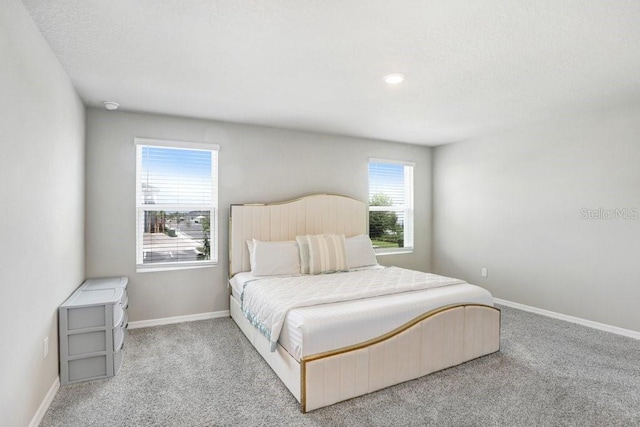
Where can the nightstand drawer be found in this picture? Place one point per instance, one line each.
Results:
(86, 317)
(120, 333)
(87, 342)
(124, 301)
(87, 368)
(118, 315)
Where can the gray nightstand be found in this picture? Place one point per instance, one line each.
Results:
(93, 329)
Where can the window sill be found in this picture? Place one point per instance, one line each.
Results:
(394, 252)
(152, 268)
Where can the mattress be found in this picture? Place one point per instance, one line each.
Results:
(316, 329)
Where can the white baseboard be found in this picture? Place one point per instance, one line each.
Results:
(46, 402)
(584, 322)
(178, 319)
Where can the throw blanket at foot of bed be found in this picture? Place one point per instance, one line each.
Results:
(265, 302)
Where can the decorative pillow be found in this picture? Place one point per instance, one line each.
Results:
(327, 253)
(275, 258)
(303, 244)
(360, 252)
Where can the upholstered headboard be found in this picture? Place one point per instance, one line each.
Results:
(315, 214)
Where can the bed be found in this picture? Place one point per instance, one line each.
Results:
(337, 350)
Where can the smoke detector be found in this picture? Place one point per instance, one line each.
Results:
(110, 105)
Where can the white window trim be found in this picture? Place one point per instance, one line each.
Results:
(191, 145)
(170, 266)
(213, 208)
(393, 162)
(408, 209)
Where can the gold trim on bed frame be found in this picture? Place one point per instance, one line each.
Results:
(373, 341)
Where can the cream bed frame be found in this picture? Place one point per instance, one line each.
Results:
(436, 340)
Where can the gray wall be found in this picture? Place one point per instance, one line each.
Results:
(513, 203)
(257, 164)
(41, 209)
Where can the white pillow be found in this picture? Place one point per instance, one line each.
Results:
(252, 253)
(275, 258)
(360, 252)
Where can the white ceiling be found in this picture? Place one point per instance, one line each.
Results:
(472, 67)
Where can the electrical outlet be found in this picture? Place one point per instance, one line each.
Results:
(484, 272)
(45, 347)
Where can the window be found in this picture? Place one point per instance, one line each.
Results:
(391, 205)
(176, 201)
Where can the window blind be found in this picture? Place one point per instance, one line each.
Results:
(176, 200)
(391, 204)
(175, 176)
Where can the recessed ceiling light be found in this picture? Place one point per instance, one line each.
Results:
(394, 79)
(110, 105)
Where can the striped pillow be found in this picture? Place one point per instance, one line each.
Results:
(303, 244)
(327, 253)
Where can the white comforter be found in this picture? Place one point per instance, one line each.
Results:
(265, 302)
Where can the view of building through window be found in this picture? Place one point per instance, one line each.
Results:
(390, 204)
(176, 196)
(174, 236)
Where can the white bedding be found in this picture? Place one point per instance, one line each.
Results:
(315, 329)
(237, 282)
